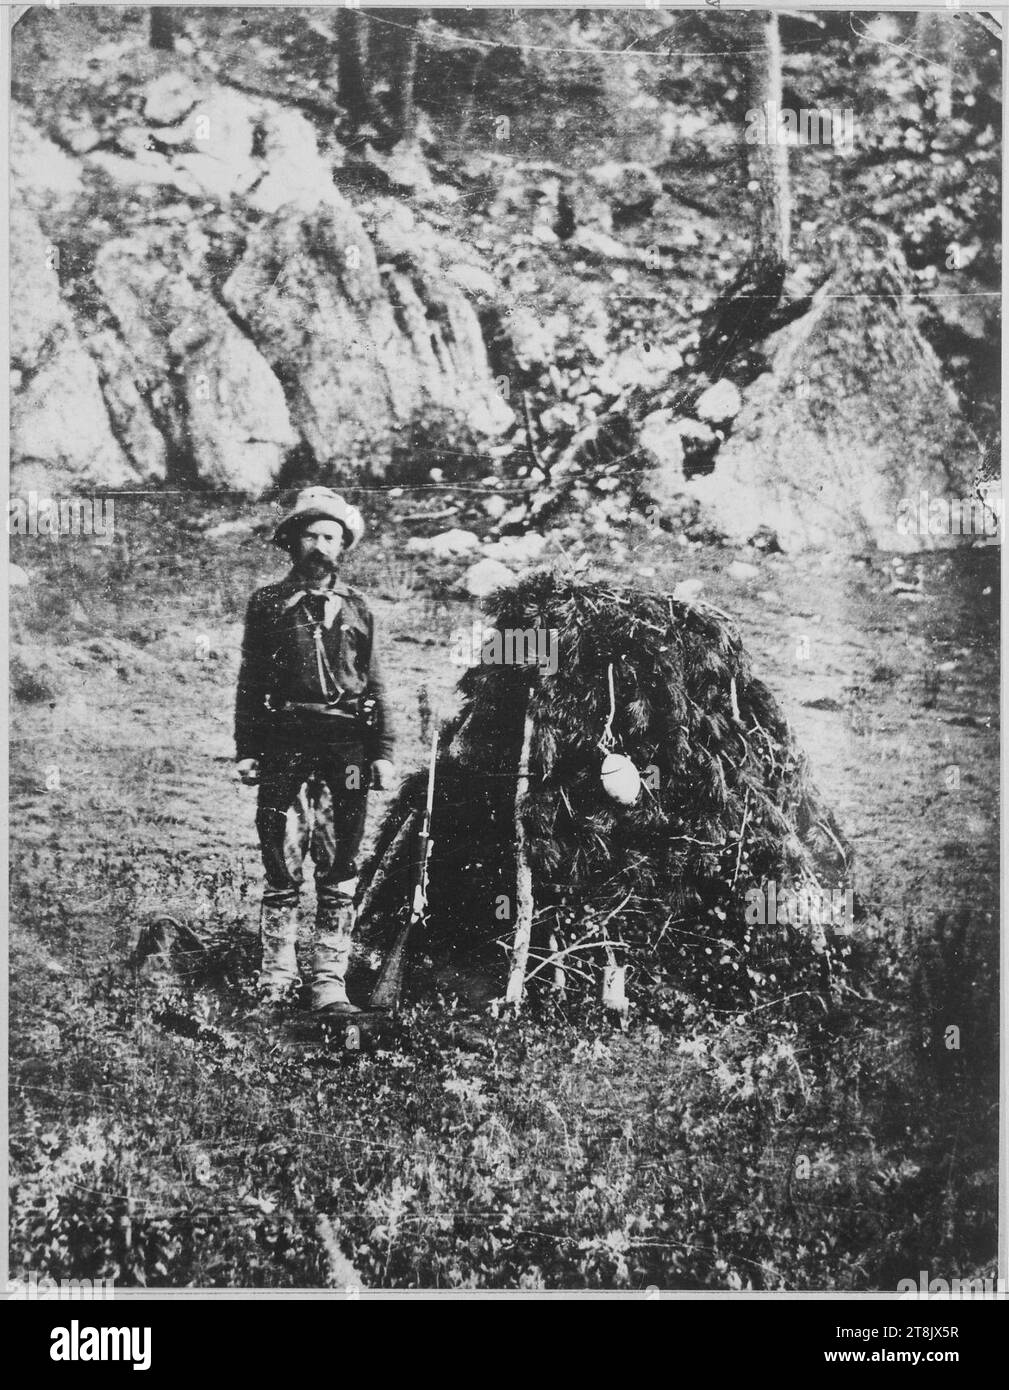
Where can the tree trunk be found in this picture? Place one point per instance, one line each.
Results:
(935, 40)
(404, 71)
(356, 96)
(163, 28)
(741, 315)
(468, 103)
(769, 157)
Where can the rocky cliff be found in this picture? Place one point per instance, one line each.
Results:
(196, 302)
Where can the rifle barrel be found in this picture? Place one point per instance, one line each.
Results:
(431, 773)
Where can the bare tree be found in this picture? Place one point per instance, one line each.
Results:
(769, 158)
(935, 41)
(162, 34)
(741, 315)
(402, 108)
(353, 74)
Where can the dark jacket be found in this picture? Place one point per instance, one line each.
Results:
(280, 663)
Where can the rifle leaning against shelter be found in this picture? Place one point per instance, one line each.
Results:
(389, 986)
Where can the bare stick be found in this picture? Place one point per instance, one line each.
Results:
(534, 453)
(430, 516)
(742, 836)
(560, 978)
(555, 956)
(523, 877)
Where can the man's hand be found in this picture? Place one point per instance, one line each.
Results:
(248, 771)
(383, 775)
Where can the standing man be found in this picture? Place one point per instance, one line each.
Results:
(312, 728)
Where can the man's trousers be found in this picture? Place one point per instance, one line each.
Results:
(311, 801)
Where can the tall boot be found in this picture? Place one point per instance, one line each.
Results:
(278, 934)
(334, 926)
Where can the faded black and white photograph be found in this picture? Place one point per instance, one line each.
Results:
(504, 528)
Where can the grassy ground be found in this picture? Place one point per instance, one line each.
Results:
(847, 1148)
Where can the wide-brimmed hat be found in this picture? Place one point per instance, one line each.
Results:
(320, 504)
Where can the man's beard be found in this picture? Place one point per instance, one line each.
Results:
(316, 568)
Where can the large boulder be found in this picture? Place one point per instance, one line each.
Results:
(59, 425)
(38, 316)
(446, 343)
(363, 345)
(170, 97)
(130, 409)
(298, 174)
(42, 174)
(853, 418)
(58, 415)
(220, 405)
(310, 292)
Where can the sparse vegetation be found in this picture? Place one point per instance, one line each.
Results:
(592, 217)
(780, 1147)
(746, 1151)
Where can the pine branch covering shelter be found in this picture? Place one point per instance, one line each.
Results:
(727, 805)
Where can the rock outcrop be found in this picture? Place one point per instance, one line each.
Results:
(58, 420)
(195, 301)
(216, 404)
(853, 418)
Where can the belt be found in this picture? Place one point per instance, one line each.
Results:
(298, 705)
